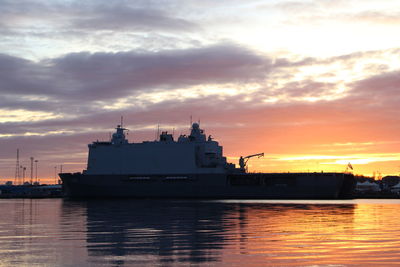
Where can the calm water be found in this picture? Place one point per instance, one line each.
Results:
(56, 232)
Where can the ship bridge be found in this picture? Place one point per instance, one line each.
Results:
(119, 136)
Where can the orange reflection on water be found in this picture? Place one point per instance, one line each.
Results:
(57, 232)
(291, 234)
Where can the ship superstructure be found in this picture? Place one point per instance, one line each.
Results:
(194, 154)
(193, 166)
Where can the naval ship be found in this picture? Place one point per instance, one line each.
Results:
(193, 166)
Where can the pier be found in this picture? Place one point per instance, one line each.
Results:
(31, 191)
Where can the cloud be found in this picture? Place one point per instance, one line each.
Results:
(384, 84)
(21, 76)
(381, 91)
(377, 17)
(120, 17)
(307, 88)
(83, 77)
(136, 71)
(79, 85)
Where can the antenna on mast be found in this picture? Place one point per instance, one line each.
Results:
(122, 121)
(157, 133)
(190, 121)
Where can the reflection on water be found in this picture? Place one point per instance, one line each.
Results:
(56, 232)
(157, 231)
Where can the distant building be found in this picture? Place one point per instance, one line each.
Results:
(390, 181)
(367, 186)
(395, 189)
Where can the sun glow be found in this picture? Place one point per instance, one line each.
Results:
(358, 159)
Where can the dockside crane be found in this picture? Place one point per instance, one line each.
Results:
(243, 160)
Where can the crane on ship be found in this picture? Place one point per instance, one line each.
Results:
(243, 160)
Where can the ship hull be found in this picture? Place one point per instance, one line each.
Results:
(213, 186)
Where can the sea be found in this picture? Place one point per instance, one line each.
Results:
(62, 232)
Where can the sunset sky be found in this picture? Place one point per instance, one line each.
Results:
(312, 84)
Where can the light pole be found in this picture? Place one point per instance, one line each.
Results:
(32, 170)
(36, 162)
(20, 174)
(23, 174)
(55, 174)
